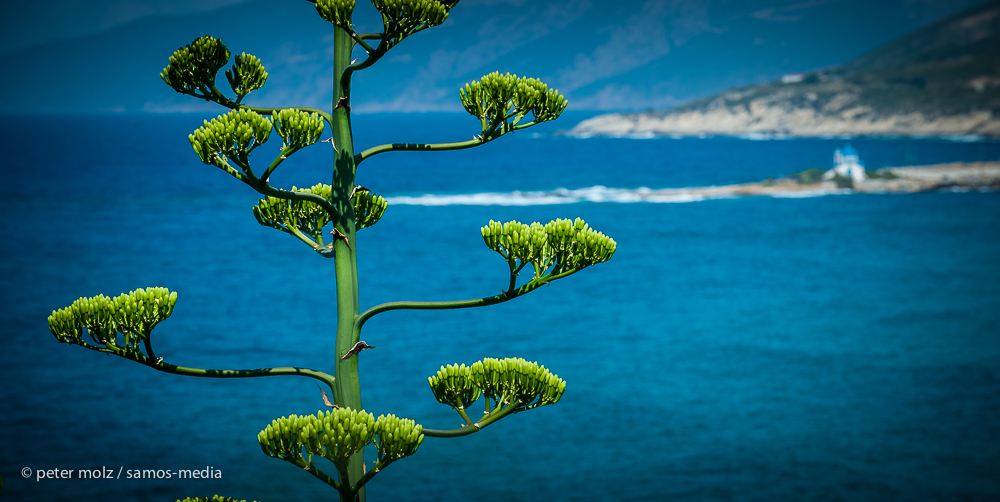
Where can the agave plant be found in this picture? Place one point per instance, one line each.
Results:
(123, 325)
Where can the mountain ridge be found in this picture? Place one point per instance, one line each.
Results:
(940, 80)
(623, 55)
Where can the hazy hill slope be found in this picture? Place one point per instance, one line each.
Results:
(943, 79)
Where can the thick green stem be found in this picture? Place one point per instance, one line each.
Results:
(348, 392)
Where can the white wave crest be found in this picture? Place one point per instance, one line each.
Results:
(519, 198)
(802, 194)
(594, 194)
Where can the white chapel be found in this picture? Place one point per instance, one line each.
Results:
(847, 164)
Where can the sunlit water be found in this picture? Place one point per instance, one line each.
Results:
(843, 347)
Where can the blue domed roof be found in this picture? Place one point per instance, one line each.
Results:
(849, 150)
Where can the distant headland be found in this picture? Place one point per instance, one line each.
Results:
(941, 80)
(957, 176)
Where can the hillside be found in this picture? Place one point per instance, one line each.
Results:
(943, 79)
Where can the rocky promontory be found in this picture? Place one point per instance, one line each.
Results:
(774, 116)
(958, 176)
(941, 80)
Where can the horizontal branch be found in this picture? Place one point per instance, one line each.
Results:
(510, 294)
(470, 429)
(406, 305)
(418, 147)
(492, 132)
(250, 373)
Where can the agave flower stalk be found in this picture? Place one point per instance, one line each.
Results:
(327, 217)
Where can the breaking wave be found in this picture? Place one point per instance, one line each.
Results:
(594, 194)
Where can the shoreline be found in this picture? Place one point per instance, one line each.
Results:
(983, 176)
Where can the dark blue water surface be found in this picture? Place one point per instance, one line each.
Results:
(828, 348)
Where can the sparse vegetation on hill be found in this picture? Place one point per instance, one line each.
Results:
(941, 80)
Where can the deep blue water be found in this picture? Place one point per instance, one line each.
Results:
(829, 348)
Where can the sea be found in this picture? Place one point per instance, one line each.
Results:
(833, 347)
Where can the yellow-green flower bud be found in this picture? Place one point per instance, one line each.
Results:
(368, 208)
(453, 385)
(337, 12)
(333, 434)
(192, 68)
(396, 438)
(516, 382)
(298, 129)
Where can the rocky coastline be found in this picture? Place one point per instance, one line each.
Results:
(766, 117)
(957, 176)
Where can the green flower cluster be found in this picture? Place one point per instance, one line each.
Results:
(453, 385)
(193, 67)
(510, 381)
(368, 208)
(334, 434)
(247, 74)
(297, 128)
(396, 438)
(337, 12)
(516, 382)
(339, 433)
(233, 135)
(496, 98)
(563, 245)
(304, 216)
(402, 18)
(117, 325)
(291, 216)
(214, 498)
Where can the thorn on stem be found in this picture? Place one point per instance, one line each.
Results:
(326, 400)
(357, 188)
(358, 347)
(340, 237)
(345, 103)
